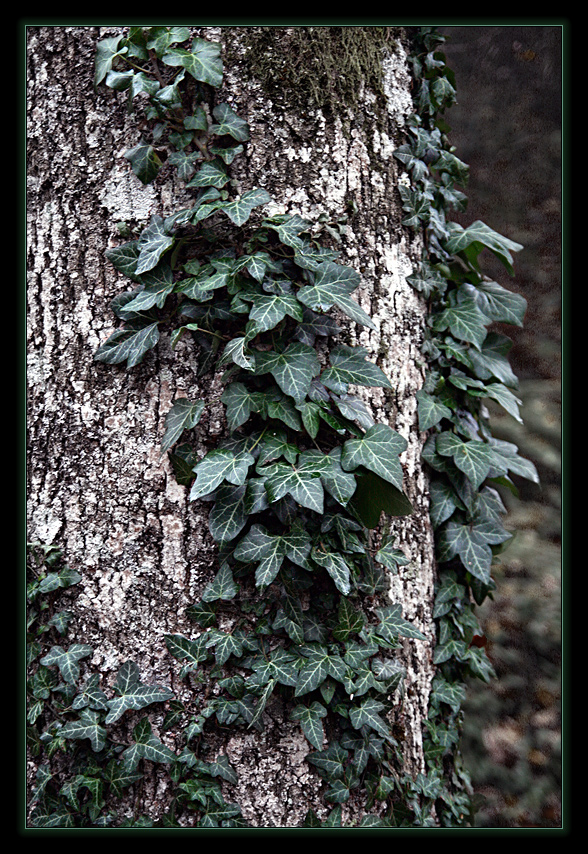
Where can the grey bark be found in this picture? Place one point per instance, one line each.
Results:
(97, 485)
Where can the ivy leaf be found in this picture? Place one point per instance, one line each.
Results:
(88, 725)
(118, 778)
(310, 718)
(337, 568)
(268, 311)
(147, 746)
(67, 660)
(145, 162)
(223, 586)
(431, 410)
(158, 285)
(128, 344)
(106, 52)
(91, 695)
(124, 259)
(464, 319)
(350, 622)
(392, 624)
(153, 243)
(378, 451)
(240, 209)
(330, 762)
(218, 466)
(333, 285)
(472, 240)
(260, 546)
(367, 714)
(132, 694)
(228, 517)
(499, 304)
(301, 481)
(183, 649)
(472, 548)
(211, 174)
(473, 458)
(240, 403)
(229, 123)
(203, 61)
(391, 557)
(350, 365)
(293, 370)
(374, 496)
(183, 415)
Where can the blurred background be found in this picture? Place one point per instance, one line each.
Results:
(507, 125)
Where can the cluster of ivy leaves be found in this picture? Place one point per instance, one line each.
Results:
(296, 606)
(73, 722)
(468, 365)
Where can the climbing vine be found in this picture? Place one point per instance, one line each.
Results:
(304, 473)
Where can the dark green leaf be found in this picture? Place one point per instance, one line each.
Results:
(183, 415)
(293, 370)
(223, 586)
(350, 365)
(67, 660)
(128, 345)
(203, 61)
(153, 243)
(145, 162)
(392, 624)
(473, 239)
(219, 466)
(228, 517)
(88, 725)
(377, 451)
(473, 458)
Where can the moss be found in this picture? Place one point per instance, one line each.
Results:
(323, 68)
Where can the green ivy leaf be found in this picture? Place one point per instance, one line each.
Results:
(268, 311)
(147, 746)
(473, 458)
(430, 410)
(132, 694)
(229, 123)
(333, 285)
(499, 304)
(219, 466)
(293, 370)
(350, 365)
(310, 718)
(392, 624)
(350, 621)
(158, 285)
(223, 586)
(193, 652)
(88, 725)
(378, 450)
(67, 660)
(183, 415)
(229, 516)
(464, 319)
(472, 240)
(145, 162)
(106, 52)
(203, 61)
(337, 568)
(367, 715)
(153, 243)
(128, 344)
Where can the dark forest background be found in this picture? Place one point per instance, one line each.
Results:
(507, 126)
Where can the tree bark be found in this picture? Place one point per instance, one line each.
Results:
(97, 485)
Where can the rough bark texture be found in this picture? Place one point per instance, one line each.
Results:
(97, 485)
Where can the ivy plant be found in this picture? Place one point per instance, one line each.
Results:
(298, 605)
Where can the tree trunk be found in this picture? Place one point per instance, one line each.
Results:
(97, 484)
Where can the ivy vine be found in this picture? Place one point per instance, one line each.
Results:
(296, 606)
